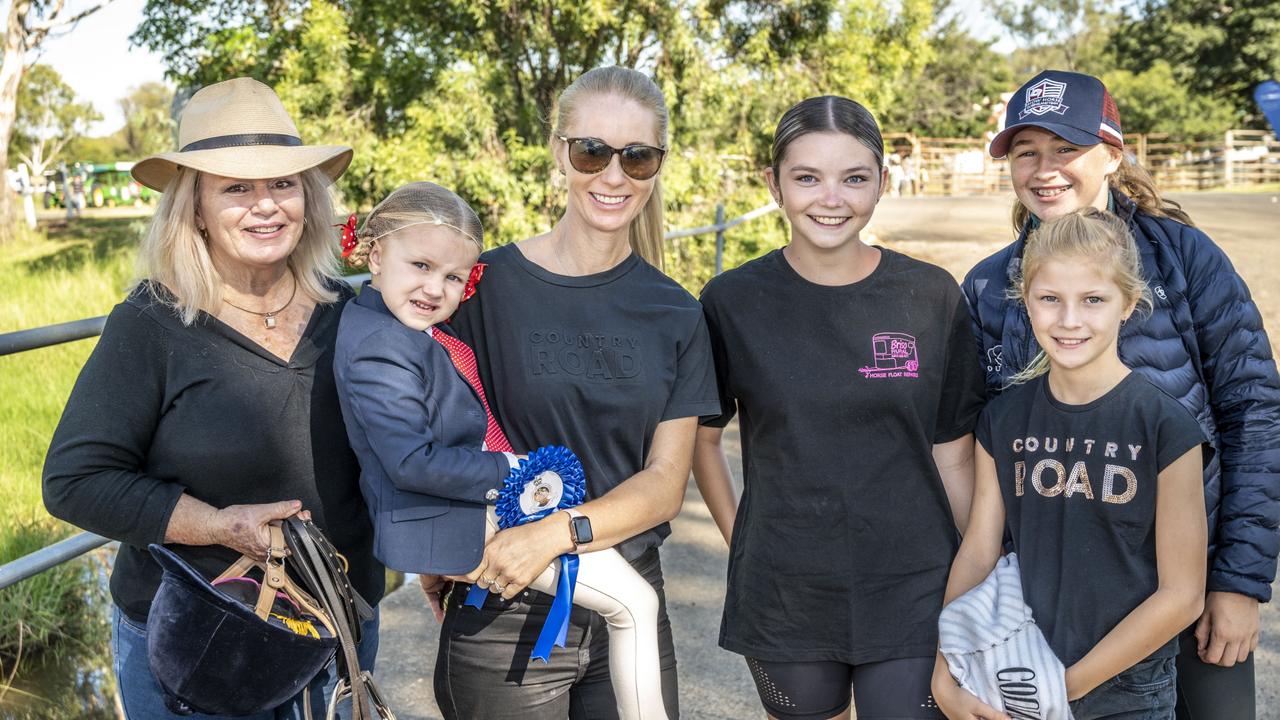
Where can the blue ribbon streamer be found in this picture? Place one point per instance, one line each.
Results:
(556, 628)
(564, 463)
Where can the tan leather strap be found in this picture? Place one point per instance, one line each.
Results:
(273, 573)
(276, 578)
(238, 568)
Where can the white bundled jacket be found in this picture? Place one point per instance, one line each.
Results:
(996, 652)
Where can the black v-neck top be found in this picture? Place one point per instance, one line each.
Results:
(161, 408)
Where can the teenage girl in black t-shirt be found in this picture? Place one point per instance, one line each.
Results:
(857, 388)
(1112, 559)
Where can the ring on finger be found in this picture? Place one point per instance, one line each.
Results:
(487, 581)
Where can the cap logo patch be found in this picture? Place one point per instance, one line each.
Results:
(1044, 97)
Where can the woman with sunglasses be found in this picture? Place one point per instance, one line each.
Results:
(582, 341)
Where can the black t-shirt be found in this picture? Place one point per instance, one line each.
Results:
(592, 363)
(1079, 488)
(844, 535)
(161, 409)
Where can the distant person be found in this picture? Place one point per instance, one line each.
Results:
(208, 408)
(1095, 475)
(1203, 343)
(77, 193)
(910, 183)
(68, 198)
(853, 371)
(896, 174)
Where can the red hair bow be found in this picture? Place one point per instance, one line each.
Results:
(349, 241)
(477, 272)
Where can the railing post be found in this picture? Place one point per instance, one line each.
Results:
(1228, 171)
(719, 237)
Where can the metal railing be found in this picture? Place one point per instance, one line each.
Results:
(49, 335)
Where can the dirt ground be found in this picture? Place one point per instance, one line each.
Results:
(958, 232)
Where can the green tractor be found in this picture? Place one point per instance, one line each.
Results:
(105, 185)
(111, 185)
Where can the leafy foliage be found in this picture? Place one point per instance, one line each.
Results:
(462, 92)
(1059, 34)
(49, 116)
(1153, 101)
(955, 94)
(148, 126)
(1217, 51)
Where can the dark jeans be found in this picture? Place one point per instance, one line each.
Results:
(1210, 692)
(484, 671)
(143, 698)
(1143, 692)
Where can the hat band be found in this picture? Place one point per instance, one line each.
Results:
(242, 139)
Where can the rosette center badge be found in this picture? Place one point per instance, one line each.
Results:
(543, 492)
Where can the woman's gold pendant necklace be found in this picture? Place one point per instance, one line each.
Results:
(269, 318)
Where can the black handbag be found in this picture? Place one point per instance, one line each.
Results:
(240, 646)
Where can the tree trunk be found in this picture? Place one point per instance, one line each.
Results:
(10, 75)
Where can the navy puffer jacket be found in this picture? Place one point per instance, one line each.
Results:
(1203, 344)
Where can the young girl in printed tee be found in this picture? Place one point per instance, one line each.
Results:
(1096, 475)
(431, 455)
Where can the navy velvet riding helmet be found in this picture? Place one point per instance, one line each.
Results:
(212, 654)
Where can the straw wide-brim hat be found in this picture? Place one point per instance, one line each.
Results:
(239, 129)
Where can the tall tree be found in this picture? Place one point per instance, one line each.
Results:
(955, 93)
(49, 117)
(29, 24)
(463, 92)
(1059, 34)
(1153, 101)
(148, 123)
(1218, 50)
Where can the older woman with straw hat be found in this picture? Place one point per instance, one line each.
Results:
(208, 408)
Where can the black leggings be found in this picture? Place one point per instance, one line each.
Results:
(889, 690)
(1210, 692)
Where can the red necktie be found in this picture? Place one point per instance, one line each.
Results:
(465, 361)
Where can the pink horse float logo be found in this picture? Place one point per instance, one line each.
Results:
(894, 356)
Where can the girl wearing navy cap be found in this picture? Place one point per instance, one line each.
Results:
(1203, 343)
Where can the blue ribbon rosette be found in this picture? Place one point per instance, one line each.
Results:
(549, 479)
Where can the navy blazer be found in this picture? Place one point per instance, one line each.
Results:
(417, 427)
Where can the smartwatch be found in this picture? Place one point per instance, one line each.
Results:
(579, 529)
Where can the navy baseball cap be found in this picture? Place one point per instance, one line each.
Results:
(1073, 106)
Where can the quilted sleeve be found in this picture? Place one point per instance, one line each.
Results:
(1244, 394)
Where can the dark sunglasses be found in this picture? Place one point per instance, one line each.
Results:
(589, 155)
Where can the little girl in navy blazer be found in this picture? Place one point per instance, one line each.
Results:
(432, 457)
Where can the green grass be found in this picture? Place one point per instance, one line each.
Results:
(69, 273)
(78, 272)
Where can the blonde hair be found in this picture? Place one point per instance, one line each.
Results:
(1097, 236)
(1134, 182)
(175, 254)
(418, 203)
(646, 229)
